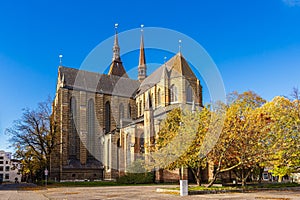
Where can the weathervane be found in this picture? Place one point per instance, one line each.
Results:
(142, 26)
(179, 41)
(116, 26)
(60, 59)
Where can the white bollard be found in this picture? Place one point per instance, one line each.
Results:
(183, 187)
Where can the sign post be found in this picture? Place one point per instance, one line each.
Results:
(46, 176)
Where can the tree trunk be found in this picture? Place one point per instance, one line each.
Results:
(261, 171)
(213, 180)
(180, 174)
(31, 177)
(245, 176)
(218, 170)
(280, 179)
(197, 175)
(242, 177)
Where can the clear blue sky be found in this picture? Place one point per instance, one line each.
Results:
(255, 44)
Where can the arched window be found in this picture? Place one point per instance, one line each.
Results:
(107, 117)
(152, 100)
(189, 94)
(142, 143)
(108, 154)
(158, 97)
(129, 111)
(141, 107)
(118, 153)
(128, 151)
(91, 129)
(73, 136)
(121, 112)
(173, 93)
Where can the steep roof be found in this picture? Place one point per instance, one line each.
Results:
(179, 66)
(175, 67)
(117, 69)
(142, 58)
(99, 83)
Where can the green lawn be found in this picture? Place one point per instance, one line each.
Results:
(249, 187)
(274, 185)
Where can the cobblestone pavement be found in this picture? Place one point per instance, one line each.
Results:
(136, 192)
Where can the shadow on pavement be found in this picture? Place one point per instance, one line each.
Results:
(17, 186)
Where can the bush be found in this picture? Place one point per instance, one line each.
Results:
(136, 178)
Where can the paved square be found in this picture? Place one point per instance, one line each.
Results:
(133, 192)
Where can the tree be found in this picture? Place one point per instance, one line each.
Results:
(34, 136)
(180, 141)
(238, 148)
(284, 140)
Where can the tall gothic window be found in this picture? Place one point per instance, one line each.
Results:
(91, 129)
(118, 153)
(141, 106)
(129, 111)
(158, 97)
(107, 117)
(142, 143)
(108, 154)
(189, 94)
(121, 112)
(73, 136)
(153, 100)
(128, 151)
(173, 93)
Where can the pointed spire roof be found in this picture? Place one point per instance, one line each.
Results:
(116, 67)
(180, 67)
(142, 68)
(142, 58)
(116, 47)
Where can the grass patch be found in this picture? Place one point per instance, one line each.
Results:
(248, 187)
(274, 185)
(203, 188)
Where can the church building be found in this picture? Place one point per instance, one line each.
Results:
(107, 121)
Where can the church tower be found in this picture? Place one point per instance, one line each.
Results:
(142, 68)
(116, 67)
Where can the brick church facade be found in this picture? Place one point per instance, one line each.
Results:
(107, 121)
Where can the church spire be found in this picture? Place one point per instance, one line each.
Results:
(142, 68)
(116, 48)
(116, 68)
